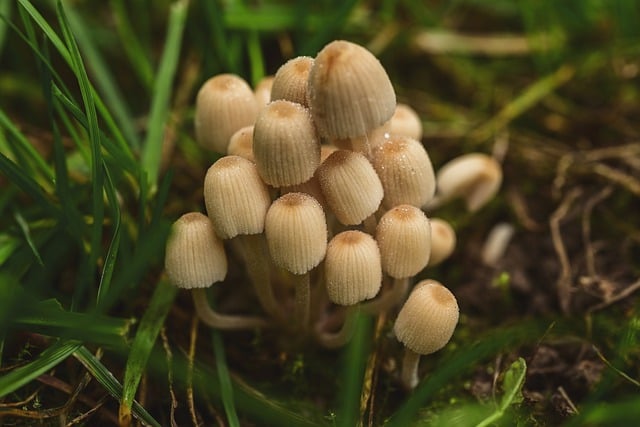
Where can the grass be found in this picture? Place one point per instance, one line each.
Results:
(97, 158)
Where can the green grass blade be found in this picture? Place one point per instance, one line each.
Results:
(5, 10)
(104, 78)
(512, 389)
(112, 253)
(152, 149)
(226, 389)
(143, 342)
(27, 184)
(49, 358)
(109, 382)
(24, 227)
(97, 176)
(256, 57)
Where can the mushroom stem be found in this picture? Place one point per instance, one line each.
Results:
(388, 299)
(409, 373)
(337, 339)
(222, 321)
(257, 263)
(302, 300)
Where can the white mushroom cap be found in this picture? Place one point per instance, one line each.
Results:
(428, 318)
(296, 232)
(405, 121)
(285, 145)
(262, 90)
(236, 198)
(350, 186)
(352, 268)
(290, 82)
(404, 237)
(443, 241)
(475, 177)
(225, 103)
(194, 256)
(405, 170)
(349, 91)
(241, 143)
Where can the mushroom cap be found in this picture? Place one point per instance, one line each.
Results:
(194, 255)
(224, 104)
(405, 170)
(296, 232)
(350, 186)
(404, 237)
(352, 268)
(262, 90)
(443, 241)
(406, 121)
(349, 91)
(290, 82)
(476, 177)
(428, 318)
(285, 145)
(236, 198)
(241, 143)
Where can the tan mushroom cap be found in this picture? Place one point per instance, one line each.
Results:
(405, 170)
(262, 90)
(404, 237)
(194, 256)
(224, 104)
(352, 268)
(349, 91)
(236, 198)
(241, 143)
(285, 145)
(443, 241)
(296, 232)
(290, 82)
(350, 186)
(428, 318)
(475, 177)
(406, 121)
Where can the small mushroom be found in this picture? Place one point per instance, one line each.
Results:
(405, 121)
(443, 241)
(290, 82)
(424, 325)
(241, 143)
(195, 260)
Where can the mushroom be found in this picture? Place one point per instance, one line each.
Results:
(350, 93)
(262, 90)
(424, 325)
(225, 103)
(405, 170)
(285, 145)
(195, 260)
(237, 201)
(296, 232)
(241, 143)
(443, 241)
(405, 121)
(475, 177)
(290, 82)
(353, 274)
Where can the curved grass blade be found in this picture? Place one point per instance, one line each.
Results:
(512, 388)
(24, 227)
(112, 252)
(226, 389)
(110, 383)
(49, 358)
(143, 342)
(152, 148)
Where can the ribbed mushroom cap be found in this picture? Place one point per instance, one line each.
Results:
(443, 241)
(405, 170)
(349, 91)
(236, 198)
(352, 268)
(428, 318)
(241, 143)
(194, 256)
(296, 232)
(475, 177)
(404, 237)
(285, 145)
(405, 121)
(225, 103)
(262, 91)
(290, 82)
(350, 186)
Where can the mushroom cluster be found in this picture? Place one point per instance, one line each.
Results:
(322, 191)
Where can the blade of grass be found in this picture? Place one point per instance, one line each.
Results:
(109, 382)
(24, 227)
(146, 336)
(256, 57)
(6, 11)
(48, 359)
(152, 148)
(104, 78)
(226, 389)
(512, 389)
(97, 172)
(112, 253)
